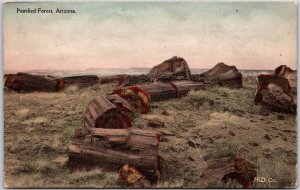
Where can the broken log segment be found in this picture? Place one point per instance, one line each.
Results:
(138, 99)
(23, 82)
(133, 177)
(113, 148)
(109, 111)
(237, 169)
(184, 86)
(139, 96)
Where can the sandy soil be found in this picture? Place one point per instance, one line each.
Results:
(208, 124)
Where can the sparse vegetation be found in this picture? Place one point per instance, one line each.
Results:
(276, 172)
(38, 128)
(224, 149)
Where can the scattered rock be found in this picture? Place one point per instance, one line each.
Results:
(154, 106)
(191, 158)
(175, 68)
(211, 102)
(253, 121)
(264, 112)
(280, 117)
(284, 138)
(267, 137)
(192, 144)
(155, 123)
(225, 109)
(165, 112)
(254, 144)
(164, 140)
(238, 112)
(164, 131)
(210, 140)
(231, 133)
(217, 136)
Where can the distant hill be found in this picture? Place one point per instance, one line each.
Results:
(118, 71)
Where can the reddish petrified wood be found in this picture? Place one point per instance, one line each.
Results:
(291, 76)
(221, 74)
(139, 96)
(159, 91)
(108, 112)
(175, 68)
(184, 86)
(276, 93)
(138, 99)
(23, 82)
(155, 122)
(111, 79)
(113, 148)
(223, 169)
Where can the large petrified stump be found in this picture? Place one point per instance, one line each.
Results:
(109, 111)
(227, 168)
(275, 93)
(140, 96)
(23, 82)
(175, 68)
(221, 74)
(113, 148)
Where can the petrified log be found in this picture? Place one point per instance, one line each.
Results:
(139, 96)
(23, 82)
(136, 97)
(275, 93)
(290, 75)
(175, 68)
(223, 169)
(184, 86)
(108, 112)
(113, 148)
(80, 81)
(222, 75)
(129, 80)
(111, 79)
(125, 80)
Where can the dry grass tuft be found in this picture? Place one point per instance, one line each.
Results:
(223, 149)
(22, 113)
(275, 169)
(71, 89)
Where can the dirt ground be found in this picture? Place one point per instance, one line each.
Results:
(207, 124)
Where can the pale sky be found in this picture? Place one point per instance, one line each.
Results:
(249, 35)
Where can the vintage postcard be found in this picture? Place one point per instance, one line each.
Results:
(141, 94)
